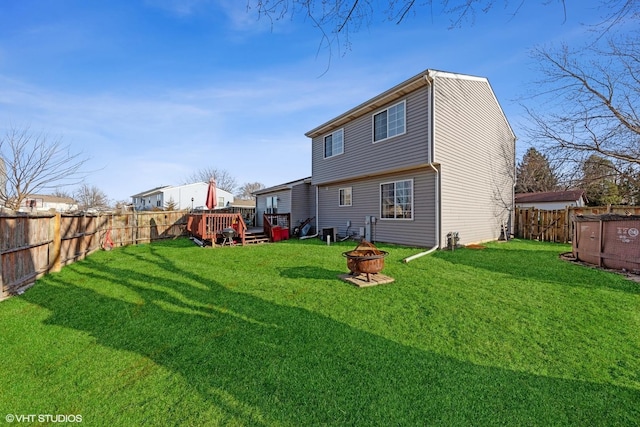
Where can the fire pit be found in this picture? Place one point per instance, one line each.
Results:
(365, 259)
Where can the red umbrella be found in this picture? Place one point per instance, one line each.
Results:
(211, 194)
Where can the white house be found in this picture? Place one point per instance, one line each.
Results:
(552, 200)
(189, 196)
(45, 202)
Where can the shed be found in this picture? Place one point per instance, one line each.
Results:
(552, 200)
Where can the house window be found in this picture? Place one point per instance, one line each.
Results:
(389, 123)
(396, 200)
(345, 196)
(272, 205)
(334, 143)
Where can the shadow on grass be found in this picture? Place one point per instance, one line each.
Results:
(543, 265)
(296, 367)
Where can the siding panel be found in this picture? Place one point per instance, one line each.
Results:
(284, 204)
(362, 157)
(475, 147)
(419, 232)
(302, 203)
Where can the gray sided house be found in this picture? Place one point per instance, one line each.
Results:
(431, 156)
(296, 198)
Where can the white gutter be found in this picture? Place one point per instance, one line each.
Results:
(437, 221)
(430, 75)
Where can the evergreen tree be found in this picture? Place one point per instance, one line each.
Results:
(599, 180)
(170, 205)
(629, 186)
(534, 173)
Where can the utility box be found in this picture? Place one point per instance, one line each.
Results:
(369, 222)
(331, 232)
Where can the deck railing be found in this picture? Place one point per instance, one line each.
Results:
(209, 226)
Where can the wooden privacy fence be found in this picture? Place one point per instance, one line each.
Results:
(558, 225)
(33, 245)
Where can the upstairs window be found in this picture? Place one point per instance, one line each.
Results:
(334, 143)
(389, 123)
(345, 196)
(396, 200)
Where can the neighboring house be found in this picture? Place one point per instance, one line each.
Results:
(43, 202)
(243, 204)
(247, 208)
(296, 198)
(552, 200)
(189, 196)
(431, 156)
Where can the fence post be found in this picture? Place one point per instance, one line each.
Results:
(54, 235)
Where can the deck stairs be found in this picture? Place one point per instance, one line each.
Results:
(255, 237)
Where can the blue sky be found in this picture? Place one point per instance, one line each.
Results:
(151, 90)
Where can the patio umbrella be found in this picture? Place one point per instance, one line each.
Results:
(211, 194)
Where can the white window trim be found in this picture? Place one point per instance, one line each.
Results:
(373, 122)
(412, 200)
(324, 151)
(350, 198)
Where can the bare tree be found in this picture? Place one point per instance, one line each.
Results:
(224, 180)
(590, 106)
(59, 192)
(344, 16)
(336, 20)
(90, 197)
(503, 178)
(246, 191)
(33, 163)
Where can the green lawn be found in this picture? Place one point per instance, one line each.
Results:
(174, 334)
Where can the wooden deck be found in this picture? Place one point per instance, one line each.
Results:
(209, 226)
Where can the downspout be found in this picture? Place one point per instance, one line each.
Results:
(317, 232)
(430, 77)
